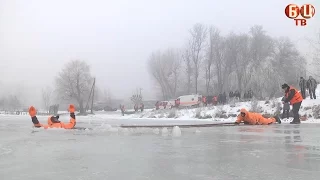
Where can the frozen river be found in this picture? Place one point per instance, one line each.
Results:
(257, 152)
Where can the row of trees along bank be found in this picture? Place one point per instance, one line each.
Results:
(211, 63)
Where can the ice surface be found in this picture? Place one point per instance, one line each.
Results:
(106, 151)
(237, 152)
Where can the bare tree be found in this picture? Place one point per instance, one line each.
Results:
(261, 49)
(288, 61)
(197, 44)
(164, 67)
(174, 57)
(188, 69)
(47, 98)
(74, 82)
(243, 62)
(209, 58)
(98, 94)
(14, 103)
(157, 70)
(249, 61)
(107, 96)
(216, 58)
(233, 44)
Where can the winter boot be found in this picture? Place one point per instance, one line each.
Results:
(277, 119)
(295, 121)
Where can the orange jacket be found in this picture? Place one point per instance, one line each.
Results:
(204, 99)
(293, 96)
(59, 124)
(253, 118)
(215, 98)
(51, 124)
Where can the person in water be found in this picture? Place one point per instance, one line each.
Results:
(53, 121)
(255, 118)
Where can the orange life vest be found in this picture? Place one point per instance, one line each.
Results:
(69, 125)
(215, 98)
(297, 97)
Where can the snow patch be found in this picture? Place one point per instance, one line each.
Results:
(176, 131)
(164, 131)
(156, 131)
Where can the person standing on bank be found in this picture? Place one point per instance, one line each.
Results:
(312, 86)
(286, 109)
(295, 98)
(303, 85)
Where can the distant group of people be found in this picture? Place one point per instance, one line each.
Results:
(136, 108)
(310, 84)
(235, 94)
(214, 100)
(220, 99)
(248, 94)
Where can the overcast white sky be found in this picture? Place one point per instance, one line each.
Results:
(37, 37)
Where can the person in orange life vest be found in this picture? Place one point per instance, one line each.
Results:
(204, 100)
(215, 100)
(53, 121)
(295, 98)
(255, 118)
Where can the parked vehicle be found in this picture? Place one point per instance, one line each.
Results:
(189, 100)
(108, 108)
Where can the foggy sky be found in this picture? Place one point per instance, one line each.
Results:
(37, 37)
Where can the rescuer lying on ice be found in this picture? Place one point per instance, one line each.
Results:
(255, 118)
(53, 121)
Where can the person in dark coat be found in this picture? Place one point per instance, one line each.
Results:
(303, 85)
(220, 98)
(224, 98)
(250, 94)
(312, 86)
(286, 108)
(231, 94)
(245, 96)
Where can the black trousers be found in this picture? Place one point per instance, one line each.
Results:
(285, 113)
(295, 110)
(303, 93)
(312, 93)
